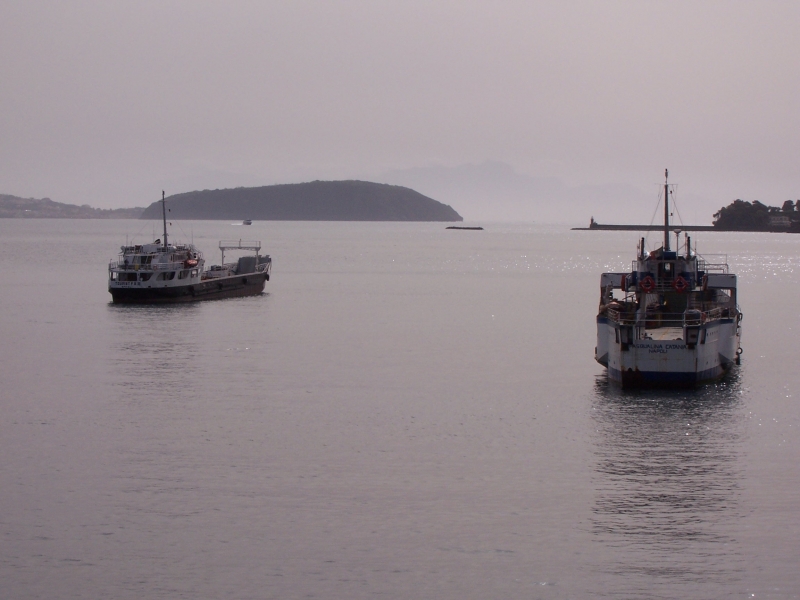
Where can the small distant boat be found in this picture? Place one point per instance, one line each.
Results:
(673, 321)
(247, 222)
(467, 228)
(168, 273)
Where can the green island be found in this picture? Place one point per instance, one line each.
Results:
(313, 201)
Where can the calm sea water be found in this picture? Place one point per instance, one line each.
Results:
(408, 412)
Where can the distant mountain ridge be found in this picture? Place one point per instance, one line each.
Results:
(350, 200)
(43, 208)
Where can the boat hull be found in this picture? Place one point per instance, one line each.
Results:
(667, 363)
(665, 379)
(236, 286)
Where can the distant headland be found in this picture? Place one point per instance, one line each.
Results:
(313, 201)
(14, 207)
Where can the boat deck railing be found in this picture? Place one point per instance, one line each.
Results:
(708, 263)
(240, 245)
(655, 319)
(713, 263)
(120, 265)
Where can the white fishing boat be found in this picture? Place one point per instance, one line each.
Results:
(673, 320)
(164, 273)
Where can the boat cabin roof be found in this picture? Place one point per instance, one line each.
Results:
(156, 248)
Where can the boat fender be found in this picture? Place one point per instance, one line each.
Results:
(623, 284)
(267, 276)
(648, 284)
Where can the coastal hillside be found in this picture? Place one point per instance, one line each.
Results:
(741, 215)
(313, 201)
(44, 208)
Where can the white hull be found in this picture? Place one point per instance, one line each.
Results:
(667, 362)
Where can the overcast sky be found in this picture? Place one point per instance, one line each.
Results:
(106, 103)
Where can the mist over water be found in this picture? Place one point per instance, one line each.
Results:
(406, 412)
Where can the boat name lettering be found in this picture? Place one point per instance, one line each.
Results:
(660, 348)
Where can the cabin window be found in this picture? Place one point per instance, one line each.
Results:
(145, 276)
(194, 272)
(166, 276)
(113, 275)
(183, 274)
(128, 277)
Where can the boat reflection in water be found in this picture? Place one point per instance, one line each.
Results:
(666, 484)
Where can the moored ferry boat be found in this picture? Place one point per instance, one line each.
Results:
(164, 272)
(672, 321)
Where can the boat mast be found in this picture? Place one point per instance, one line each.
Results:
(164, 215)
(666, 211)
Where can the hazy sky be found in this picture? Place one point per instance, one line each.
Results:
(106, 103)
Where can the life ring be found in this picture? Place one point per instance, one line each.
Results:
(191, 263)
(680, 284)
(648, 285)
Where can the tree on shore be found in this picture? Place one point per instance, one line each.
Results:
(741, 215)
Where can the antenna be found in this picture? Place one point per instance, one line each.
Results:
(666, 210)
(164, 214)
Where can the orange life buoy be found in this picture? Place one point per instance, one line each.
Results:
(648, 285)
(680, 284)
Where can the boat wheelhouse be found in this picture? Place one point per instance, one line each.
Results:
(673, 320)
